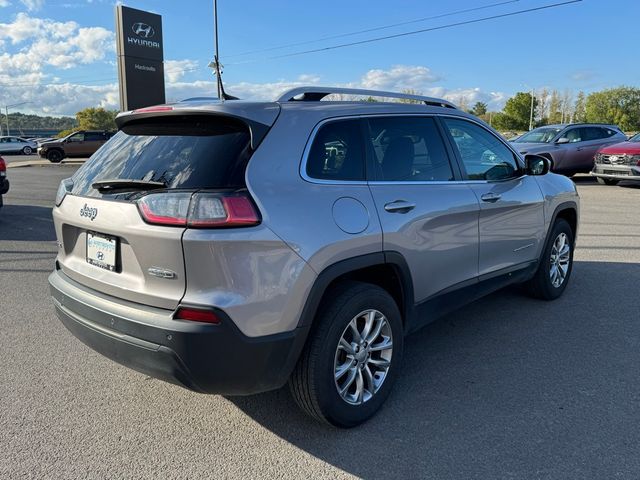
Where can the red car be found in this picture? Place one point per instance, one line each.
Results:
(4, 181)
(617, 162)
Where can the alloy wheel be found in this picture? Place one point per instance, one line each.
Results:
(363, 357)
(560, 260)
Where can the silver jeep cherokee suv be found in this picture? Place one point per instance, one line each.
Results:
(232, 247)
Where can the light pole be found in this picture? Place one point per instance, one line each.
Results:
(6, 113)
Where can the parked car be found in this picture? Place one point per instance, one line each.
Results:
(4, 181)
(617, 162)
(78, 144)
(9, 144)
(232, 247)
(570, 148)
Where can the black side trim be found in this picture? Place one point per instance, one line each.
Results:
(450, 300)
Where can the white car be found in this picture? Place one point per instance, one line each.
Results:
(17, 145)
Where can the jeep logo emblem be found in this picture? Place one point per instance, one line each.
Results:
(90, 213)
(143, 30)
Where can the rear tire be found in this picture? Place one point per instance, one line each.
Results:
(607, 181)
(342, 378)
(556, 264)
(55, 156)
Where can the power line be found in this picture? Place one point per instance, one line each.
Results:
(414, 32)
(373, 29)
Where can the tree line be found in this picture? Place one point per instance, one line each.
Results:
(618, 106)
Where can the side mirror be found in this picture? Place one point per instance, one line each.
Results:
(536, 165)
(562, 140)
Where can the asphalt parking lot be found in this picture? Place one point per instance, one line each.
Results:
(507, 387)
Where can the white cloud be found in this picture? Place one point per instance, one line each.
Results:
(4, 3)
(399, 77)
(68, 98)
(174, 70)
(33, 5)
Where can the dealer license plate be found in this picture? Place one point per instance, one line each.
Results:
(101, 250)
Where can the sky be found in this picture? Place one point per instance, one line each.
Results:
(59, 55)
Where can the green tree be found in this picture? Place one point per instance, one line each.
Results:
(580, 108)
(620, 106)
(555, 108)
(96, 119)
(409, 91)
(517, 111)
(479, 109)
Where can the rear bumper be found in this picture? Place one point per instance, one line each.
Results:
(202, 357)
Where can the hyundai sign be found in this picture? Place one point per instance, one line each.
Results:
(140, 58)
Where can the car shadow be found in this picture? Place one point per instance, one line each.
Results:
(26, 223)
(508, 386)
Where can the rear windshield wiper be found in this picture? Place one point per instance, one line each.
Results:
(124, 184)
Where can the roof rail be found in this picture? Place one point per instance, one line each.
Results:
(318, 93)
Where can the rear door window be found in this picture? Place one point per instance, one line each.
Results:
(186, 152)
(408, 149)
(93, 137)
(337, 152)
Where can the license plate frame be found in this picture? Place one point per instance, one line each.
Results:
(102, 251)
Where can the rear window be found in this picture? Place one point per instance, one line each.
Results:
(187, 152)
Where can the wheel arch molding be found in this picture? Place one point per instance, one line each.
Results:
(387, 269)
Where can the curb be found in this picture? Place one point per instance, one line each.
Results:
(42, 163)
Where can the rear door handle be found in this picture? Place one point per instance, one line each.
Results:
(490, 197)
(399, 206)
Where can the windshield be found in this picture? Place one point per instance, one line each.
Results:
(186, 152)
(539, 135)
(635, 138)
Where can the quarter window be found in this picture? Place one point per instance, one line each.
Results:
(336, 152)
(408, 149)
(484, 156)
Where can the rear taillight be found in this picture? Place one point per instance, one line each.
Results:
(196, 315)
(3, 165)
(65, 187)
(199, 210)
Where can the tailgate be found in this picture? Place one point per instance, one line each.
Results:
(139, 247)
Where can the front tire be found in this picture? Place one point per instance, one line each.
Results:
(27, 150)
(352, 357)
(607, 181)
(556, 264)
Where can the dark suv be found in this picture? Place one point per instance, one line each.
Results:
(79, 144)
(570, 148)
(233, 246)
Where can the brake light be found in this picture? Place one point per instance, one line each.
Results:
(153, 109)
(196, 315)
(3, 165)
(199, 210)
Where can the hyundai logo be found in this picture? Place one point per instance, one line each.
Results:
(143, 30)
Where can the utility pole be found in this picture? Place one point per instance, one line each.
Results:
(6, 113)
(531, 114)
